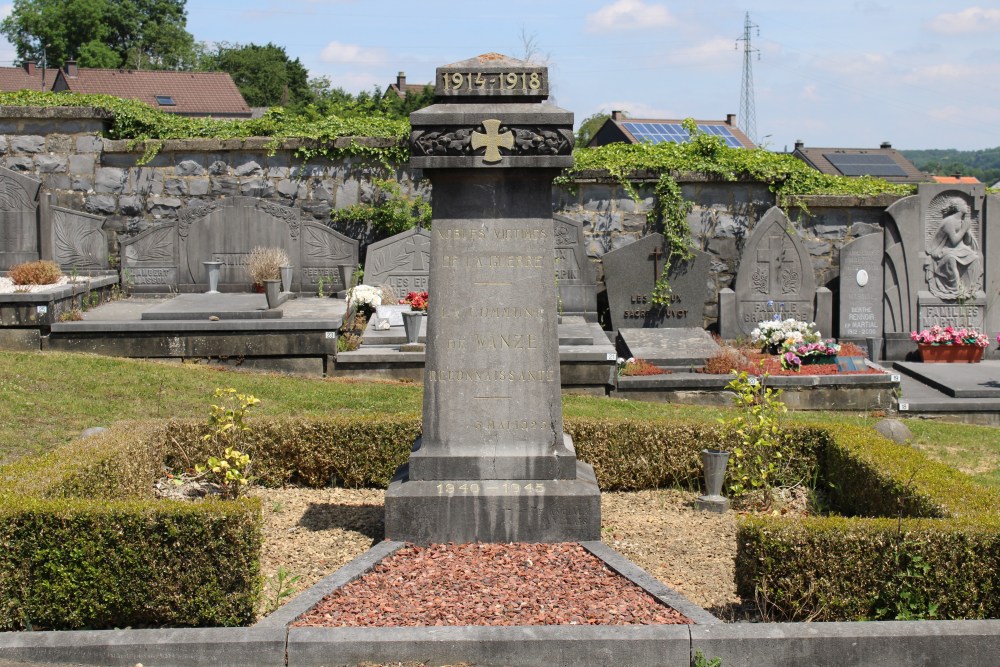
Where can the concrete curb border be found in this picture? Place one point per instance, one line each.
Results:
(271, 643)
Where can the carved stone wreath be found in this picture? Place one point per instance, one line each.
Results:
(452, 141)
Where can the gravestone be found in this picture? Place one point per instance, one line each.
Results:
(630, 274)
(861, 289)
(402, 262)
(575, 274)
(170, 257)
(493, 463)
(19, 224)
(669, 348)
(77, 241)
(775, 279)
(941, 249)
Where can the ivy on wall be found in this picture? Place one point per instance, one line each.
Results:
(147, 127)
(787, 177)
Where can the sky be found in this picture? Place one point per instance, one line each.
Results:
(919, 74)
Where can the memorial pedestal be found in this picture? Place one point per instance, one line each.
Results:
(493, 463)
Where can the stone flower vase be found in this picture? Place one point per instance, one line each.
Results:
(714, 462)
(272, 291)
(286, 278)
(346, 274)
(214, 268)
(411, 325)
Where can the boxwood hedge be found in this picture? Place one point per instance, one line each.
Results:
(87, 546)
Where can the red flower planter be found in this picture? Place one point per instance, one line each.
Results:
(950, 354)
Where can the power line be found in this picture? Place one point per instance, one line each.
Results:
(747, 118)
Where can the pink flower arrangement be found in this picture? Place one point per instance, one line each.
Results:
(416, 300)
(938, 335)
(791, 362)
(827, 348)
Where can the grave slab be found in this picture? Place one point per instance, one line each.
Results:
(670, 348)
(980, 380)
(204, 306)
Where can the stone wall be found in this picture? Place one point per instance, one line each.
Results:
(63, 148)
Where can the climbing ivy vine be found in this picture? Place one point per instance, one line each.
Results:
(147, 128)
(787, 177)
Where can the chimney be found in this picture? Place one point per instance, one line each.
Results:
(799, 144)
(401, 80)
(71, 69)
(730, 119)
(885, 144)
(29, 67)
(617, 115)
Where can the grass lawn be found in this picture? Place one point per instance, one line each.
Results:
(47, 398)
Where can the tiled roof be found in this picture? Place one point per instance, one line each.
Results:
(955, 179)
(614, 130)
(13, 79)
(415, 88)
(818, 159)
(192, 93)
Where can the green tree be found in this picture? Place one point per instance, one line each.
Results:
(264, 74)
(330, 101)
(589, 127)
(142, 34)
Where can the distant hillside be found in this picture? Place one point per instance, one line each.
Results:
(983, 164)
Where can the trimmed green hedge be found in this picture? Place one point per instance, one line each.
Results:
(923, 540)
(86, 546)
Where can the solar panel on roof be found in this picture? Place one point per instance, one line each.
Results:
(865, 164)
(656, 133)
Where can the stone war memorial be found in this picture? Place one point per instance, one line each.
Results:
(493, 463)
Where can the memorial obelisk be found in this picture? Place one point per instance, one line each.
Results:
(493, 463)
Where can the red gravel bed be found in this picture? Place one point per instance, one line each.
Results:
(490, 584)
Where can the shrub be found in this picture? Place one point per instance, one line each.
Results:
(42, 272)
(265, 264)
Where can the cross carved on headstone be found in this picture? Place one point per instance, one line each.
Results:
(656, 255)
(774, 256)
(492, 140)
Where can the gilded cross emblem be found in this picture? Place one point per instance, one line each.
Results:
(492, 140)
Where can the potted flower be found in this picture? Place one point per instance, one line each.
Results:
(416, 301)
(364, 299)
(950, 345)
(265, 264)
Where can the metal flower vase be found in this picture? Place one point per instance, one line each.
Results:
(214, 268)
(286, 278)
(411, 325)
(714, 462)
(272, 291)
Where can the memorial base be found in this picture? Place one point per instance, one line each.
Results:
(464, 511)
(478, 460)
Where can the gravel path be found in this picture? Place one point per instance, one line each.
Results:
(313, 532)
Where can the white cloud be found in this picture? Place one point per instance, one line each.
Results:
(335, 52)
(854, 64)
(965, 115)
(715, 52)
(941, 72)
(810, 93)
(629, 15)
(972, 19)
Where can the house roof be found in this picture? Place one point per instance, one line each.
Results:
(956, 179)
(184, 93)
(619, 128)
(401, 88)
(884, 162)
(25, 77)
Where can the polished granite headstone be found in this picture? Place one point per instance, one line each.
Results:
(631, 273)
(861, 289)
(493, 463)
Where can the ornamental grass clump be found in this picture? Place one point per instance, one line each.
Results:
(41, 272)
(265, 264)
